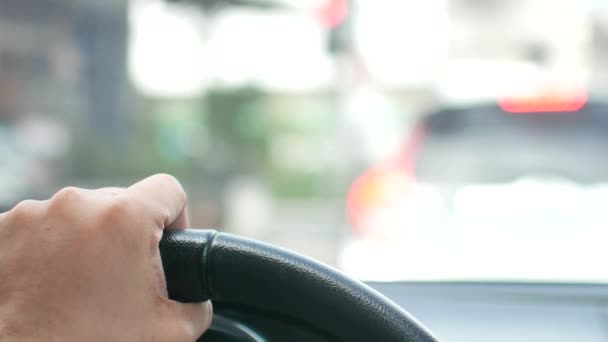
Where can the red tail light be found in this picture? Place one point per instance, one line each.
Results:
(380, 185)
(550, 103)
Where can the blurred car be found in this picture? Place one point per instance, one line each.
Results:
(478, 189)
(501, 143)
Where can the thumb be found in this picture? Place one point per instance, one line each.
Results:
(197, 316)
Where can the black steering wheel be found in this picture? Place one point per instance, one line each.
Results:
(253, 284)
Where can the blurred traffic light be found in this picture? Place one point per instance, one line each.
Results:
(333, 13)
(337, 16)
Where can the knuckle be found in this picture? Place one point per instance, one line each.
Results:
(117, 210)
(24, 211)
(66, 195)
(170, 181)
(112, 192)
(165, 177)
(26, 205)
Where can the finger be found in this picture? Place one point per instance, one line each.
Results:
(165, 198)
(26, 208)
(111, 192)
(3, 218)
(197, 315)
(23, 213)
(181, 222)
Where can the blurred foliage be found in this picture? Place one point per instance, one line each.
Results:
(238, 127)
(93, 158)
(300, 184)
(211, 140)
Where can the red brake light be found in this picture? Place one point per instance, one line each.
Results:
(546, 103)
(383, 183)
(375, 189)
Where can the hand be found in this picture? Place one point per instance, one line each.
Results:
(85, 266)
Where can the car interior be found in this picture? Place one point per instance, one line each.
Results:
(356, 170)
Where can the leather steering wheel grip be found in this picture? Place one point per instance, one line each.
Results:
(204, 264)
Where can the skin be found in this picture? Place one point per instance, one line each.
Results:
(85, 266)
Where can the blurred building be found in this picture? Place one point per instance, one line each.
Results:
(62, 78)
(64, 58)
(502, 48)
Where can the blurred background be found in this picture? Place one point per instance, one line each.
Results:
(438, 139)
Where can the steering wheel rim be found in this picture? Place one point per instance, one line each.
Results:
(205, 264)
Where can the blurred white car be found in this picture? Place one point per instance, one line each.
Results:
(506, 191)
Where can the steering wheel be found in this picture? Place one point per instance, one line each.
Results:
(253, 284)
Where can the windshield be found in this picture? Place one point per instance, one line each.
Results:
(394, 140)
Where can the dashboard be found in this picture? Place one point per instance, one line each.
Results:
(456, 311)
(506, 311)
